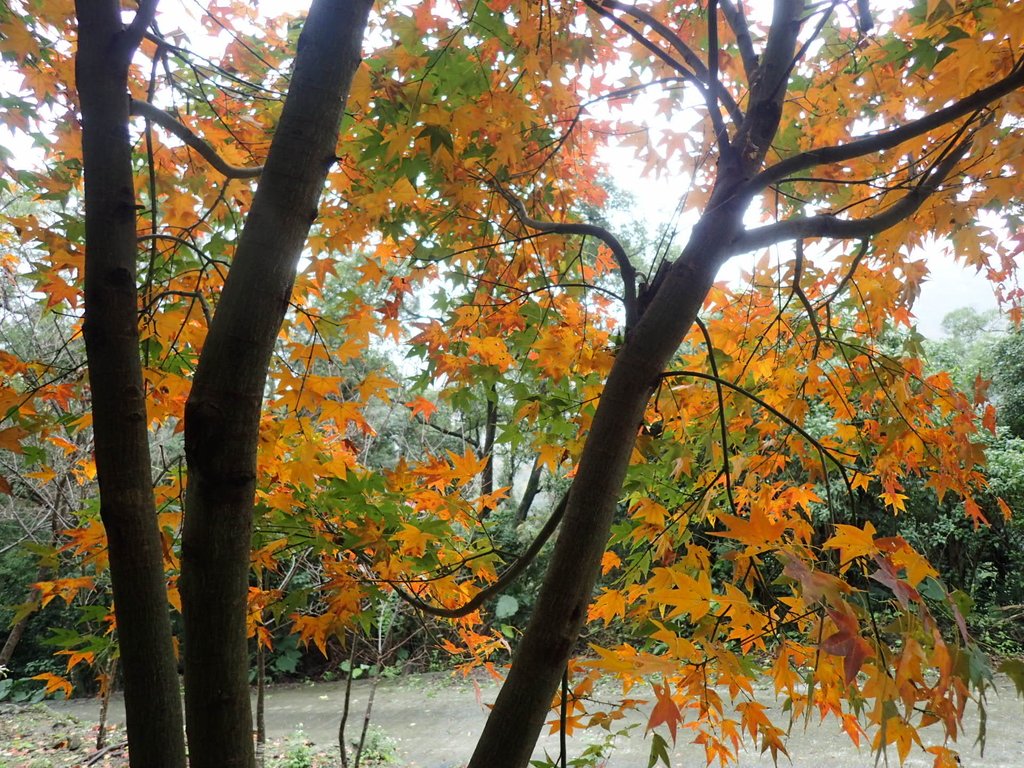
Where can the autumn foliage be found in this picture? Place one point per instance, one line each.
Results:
(446, 332)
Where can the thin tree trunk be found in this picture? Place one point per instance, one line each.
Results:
(223, 411)
(261, 694)
(487, 447)
(43, 573)
(153, 706)
(13, 638)
(521, 708)
(101, 729)
(367, 714)
(342, 749)
(529, 493)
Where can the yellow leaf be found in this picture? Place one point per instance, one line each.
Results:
(413, 541)
(55, 683)
(853, 542)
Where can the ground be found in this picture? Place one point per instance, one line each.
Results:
(432, 721)
(34, 736)
(38, 736)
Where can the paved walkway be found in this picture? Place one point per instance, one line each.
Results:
(437, 718)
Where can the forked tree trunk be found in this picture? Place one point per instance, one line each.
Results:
(521, 708)
(561, 608)
(222, 415)
(152, 702)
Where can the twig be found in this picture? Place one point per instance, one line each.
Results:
(95, 756)
(726, 469)
(798, 273)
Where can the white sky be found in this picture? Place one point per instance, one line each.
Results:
(950, 286)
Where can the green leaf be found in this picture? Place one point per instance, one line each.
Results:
(659, 752)
(1014, 669)
(506, 607)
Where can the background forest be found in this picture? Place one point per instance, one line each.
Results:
(332, 347)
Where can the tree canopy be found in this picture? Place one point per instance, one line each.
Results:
(337, 310)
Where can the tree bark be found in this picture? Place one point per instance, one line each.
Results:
(487, 448)
(13, 638)
(529, 493)
(521, 708)
(222, 414)
(123, 467)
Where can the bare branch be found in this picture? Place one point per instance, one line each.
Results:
(135, 31)
(886, 139)
(626, 268)
(640, 38)
(170, 123)
(737, 22)
(850, 229)
(713, 89)
(498, 586)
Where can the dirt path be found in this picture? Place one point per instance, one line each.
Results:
(436, 719)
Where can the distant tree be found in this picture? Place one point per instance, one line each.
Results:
(1008, 380)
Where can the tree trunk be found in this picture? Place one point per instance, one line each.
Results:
(521, 708)
(223, 411)
(518, 715)
(13, 638)
(529, 493)
(123, 466)
(487, 448)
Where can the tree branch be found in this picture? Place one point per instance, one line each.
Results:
(497, 587)
(849, 273)
(640, 38)
(768, 89)
(194, 295)
(713, 85)
(798, 290)
(823, 452)
(722, 421)
(737, 22)
(712, 88)
(170, 123)
(887, 139)
(134, 32)
(850, 229)
(626, 268)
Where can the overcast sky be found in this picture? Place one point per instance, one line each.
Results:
(950, 286)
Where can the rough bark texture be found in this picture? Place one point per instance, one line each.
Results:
(123, 464)
(223, 410)
(521, 708)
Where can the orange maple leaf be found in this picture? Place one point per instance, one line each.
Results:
(420, 406)
(665, 711)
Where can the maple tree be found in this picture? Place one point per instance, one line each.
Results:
(242, 262)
